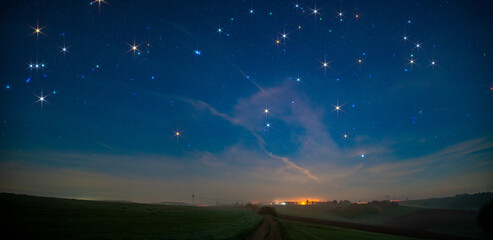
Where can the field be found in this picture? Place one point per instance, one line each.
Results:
(52, 218)
(459, 223)
(321, 213)
(294, 230)
(28, 217)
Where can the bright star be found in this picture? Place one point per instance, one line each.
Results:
(251, 11)
(177, 134)
(134, 48)
(362, 155)
(99, 3)
(267, 125)
(64, 49)
(284, 35)
(41, 99)
(359, 60)
(337, 108)
(198, 52)
(37, 30)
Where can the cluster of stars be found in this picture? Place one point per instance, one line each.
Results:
(281, 38)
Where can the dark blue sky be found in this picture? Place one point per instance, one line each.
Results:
(413, 80)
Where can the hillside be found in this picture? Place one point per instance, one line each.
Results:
(29, 217)
(460, 201)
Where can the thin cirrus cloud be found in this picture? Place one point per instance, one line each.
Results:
(318, 167)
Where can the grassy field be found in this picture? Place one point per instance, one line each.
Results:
(292, 230)
(318, 213)
(53, 218)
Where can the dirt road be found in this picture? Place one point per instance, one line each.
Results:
(268, 230)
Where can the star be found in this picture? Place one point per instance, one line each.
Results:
(99, 3)
(315, 11)
(198, 52)
(337, 108)
(134, 48)
(251, 11)
(37, 30)
(266, 110)
(360, 61)
(64, 49)
(325, 65)
(177, 134)
(267, 125)
(362, 155)
(41, 98)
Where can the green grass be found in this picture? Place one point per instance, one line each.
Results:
(321, 213)
(53, 218)
(292, 230)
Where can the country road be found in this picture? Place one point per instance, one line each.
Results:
(268, 230)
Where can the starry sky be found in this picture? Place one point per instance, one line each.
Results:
(246, 100)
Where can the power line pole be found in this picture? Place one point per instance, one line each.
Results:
(387, 196)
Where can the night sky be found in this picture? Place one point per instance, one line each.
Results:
(246, 100)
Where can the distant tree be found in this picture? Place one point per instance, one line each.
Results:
(265, 210)
(485, 217)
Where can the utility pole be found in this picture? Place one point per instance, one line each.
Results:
(387, 196)
(193, 199)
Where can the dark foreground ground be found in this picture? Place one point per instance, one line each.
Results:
(404, 232)
(28, 217)
(403, 221)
